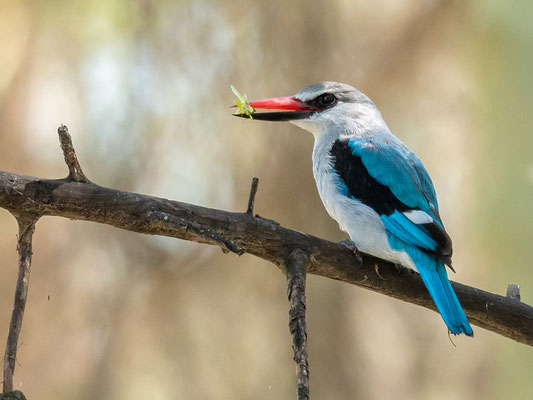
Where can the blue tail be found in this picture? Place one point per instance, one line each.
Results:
(434, 275)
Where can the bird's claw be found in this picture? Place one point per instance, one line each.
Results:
(398, 268)
(353, 249)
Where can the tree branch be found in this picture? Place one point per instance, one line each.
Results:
(296, 268)
(243, 233)
(26, 224)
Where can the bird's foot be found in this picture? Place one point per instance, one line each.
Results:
(398, 268)
(353, 249)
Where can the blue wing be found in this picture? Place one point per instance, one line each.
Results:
(394, 165)
(388, 177)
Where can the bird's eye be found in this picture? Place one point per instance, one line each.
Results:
(326, 99)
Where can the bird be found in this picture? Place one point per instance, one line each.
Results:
(373, 185)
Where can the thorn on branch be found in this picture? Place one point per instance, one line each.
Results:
(376, 268)
(296, 267)
(251, 199)
(513, 291)
(75, 172)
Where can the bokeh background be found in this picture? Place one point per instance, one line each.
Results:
(144, 88)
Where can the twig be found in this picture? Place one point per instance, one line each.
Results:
(376, 269)
(296, 266)
(251, 199)
(75, 172)
(169, 221)
(26, 224)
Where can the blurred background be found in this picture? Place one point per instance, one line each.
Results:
(144, 89)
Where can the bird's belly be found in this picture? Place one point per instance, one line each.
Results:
(362, 223)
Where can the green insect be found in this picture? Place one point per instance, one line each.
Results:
(243, 108)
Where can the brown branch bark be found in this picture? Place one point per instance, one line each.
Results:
(26, 224)
(244, 233)
(75, 173)
(296, 269)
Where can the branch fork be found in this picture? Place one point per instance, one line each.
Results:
(26, 222)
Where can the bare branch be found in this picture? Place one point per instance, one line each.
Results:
(26, 224)
(296, 266)
(168, 221)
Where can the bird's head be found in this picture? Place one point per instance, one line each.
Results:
(323, 106)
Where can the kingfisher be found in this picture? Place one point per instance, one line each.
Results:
(373, 185)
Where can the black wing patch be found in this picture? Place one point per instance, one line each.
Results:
(363, 187)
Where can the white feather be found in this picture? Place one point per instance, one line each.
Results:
(418, 217)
